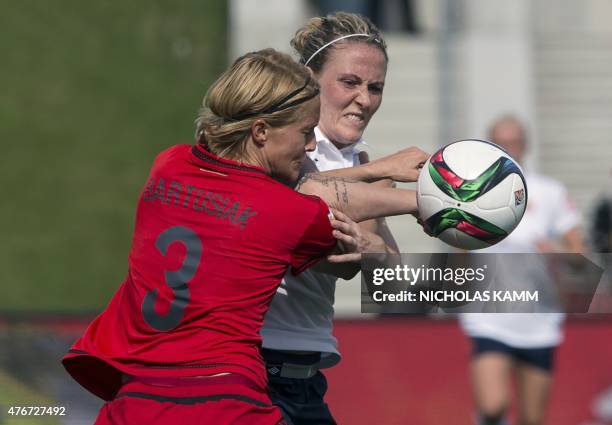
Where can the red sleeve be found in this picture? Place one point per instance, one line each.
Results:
(316, 242)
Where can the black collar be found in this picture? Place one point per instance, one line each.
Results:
(205, 155)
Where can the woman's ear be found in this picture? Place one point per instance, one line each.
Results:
(259, 131)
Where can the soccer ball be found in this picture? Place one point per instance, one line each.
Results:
(471, 194)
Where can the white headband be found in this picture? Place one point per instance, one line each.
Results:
(332, 42)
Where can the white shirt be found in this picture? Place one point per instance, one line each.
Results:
(549, 215)
(302, 311)
(327, 156)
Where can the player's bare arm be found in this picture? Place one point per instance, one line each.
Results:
(360, 201)
(402, 166)
(379, 225)
(371, 236)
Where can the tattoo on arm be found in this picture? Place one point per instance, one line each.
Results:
(337, 191)
(345, 196)
(334, 190)
(324, 180)
(341, 190)
(338, 186)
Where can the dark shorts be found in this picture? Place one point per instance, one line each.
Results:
(164, 403)
(301, 400)
(542, 357)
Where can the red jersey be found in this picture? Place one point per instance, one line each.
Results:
(212, 241)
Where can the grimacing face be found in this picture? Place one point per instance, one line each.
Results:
(352, 81)
(286, 146)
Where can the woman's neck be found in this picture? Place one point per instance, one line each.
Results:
(253, 156)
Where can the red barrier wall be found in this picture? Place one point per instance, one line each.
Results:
(415, 371)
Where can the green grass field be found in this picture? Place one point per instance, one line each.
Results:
(91, 92)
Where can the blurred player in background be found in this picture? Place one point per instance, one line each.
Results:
(601, 235)
(602, 225)
(601, 230)
(522, 345)
(215, 232)
(348, 57)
